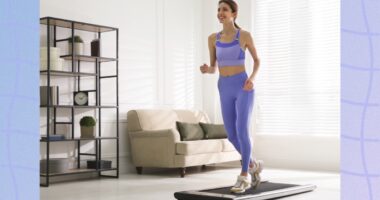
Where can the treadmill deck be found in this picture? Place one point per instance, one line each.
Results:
(266, 190)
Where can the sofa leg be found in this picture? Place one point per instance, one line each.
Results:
(139, 170)
(182, 171)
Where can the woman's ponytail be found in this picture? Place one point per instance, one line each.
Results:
(237, 26)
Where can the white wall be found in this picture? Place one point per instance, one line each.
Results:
(299, 151)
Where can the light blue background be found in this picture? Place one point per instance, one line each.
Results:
(19, 99)
(360, 99)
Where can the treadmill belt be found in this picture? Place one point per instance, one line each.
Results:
(266, 190)
(263, 187)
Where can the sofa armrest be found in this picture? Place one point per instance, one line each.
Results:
(154, 148)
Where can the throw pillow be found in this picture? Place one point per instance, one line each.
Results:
(190, 131)
(213, 131)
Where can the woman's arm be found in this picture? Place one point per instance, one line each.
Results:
(212, 50)
(252, 50)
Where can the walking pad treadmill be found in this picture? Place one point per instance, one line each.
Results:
(266, 190)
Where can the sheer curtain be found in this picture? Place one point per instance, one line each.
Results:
(298, 84)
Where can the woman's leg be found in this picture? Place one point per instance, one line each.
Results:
(228, 107)
(244, 106)
(229, 121)
(229, 89)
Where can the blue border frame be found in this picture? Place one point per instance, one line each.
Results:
(19, 99)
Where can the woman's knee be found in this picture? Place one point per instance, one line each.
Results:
(233, 138)
(243, 135)
(242, 127)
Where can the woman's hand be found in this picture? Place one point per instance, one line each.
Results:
(204, 68)
(248, 85)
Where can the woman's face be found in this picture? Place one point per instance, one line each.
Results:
(225, 13)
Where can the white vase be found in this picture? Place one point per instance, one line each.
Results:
(78, 48)
(56, 63)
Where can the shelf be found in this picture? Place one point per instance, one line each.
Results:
(76, 171)
(78, 28)
(88, 58)
(71, 106)
(80, 139)
(53, 21)
(66, 73)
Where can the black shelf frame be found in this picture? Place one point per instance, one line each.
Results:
(70, 24)
(79, 139)
(99, 29)
(72, 106)
(66, 73)
(79, 171)
(87, 58)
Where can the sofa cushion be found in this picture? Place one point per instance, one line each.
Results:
(162, 118)
(213, 131)
(151, 119)
(227, 145)
(191, 116)
(190, 131)
(199, 147)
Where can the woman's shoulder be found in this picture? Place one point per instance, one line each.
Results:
(244, 33)
(212, 36)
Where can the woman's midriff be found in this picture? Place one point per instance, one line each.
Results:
(231, 70)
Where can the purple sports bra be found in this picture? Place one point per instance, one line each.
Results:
(229, 54)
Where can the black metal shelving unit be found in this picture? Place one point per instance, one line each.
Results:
(53, 23)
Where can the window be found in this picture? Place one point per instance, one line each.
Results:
(298, 84)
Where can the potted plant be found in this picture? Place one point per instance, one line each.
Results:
(78, 45)
(87, 127)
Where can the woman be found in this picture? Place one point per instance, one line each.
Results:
(236, 91)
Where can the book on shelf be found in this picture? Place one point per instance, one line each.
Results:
(101, 164)
(54, 92)
(53, 137)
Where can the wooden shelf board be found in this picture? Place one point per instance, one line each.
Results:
(77, 171)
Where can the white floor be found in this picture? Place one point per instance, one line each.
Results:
(162, 185)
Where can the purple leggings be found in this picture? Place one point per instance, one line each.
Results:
(236, 105)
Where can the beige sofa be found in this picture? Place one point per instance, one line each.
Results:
(155, 141)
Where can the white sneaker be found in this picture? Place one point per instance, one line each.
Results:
(241, 184)
(255, 171)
